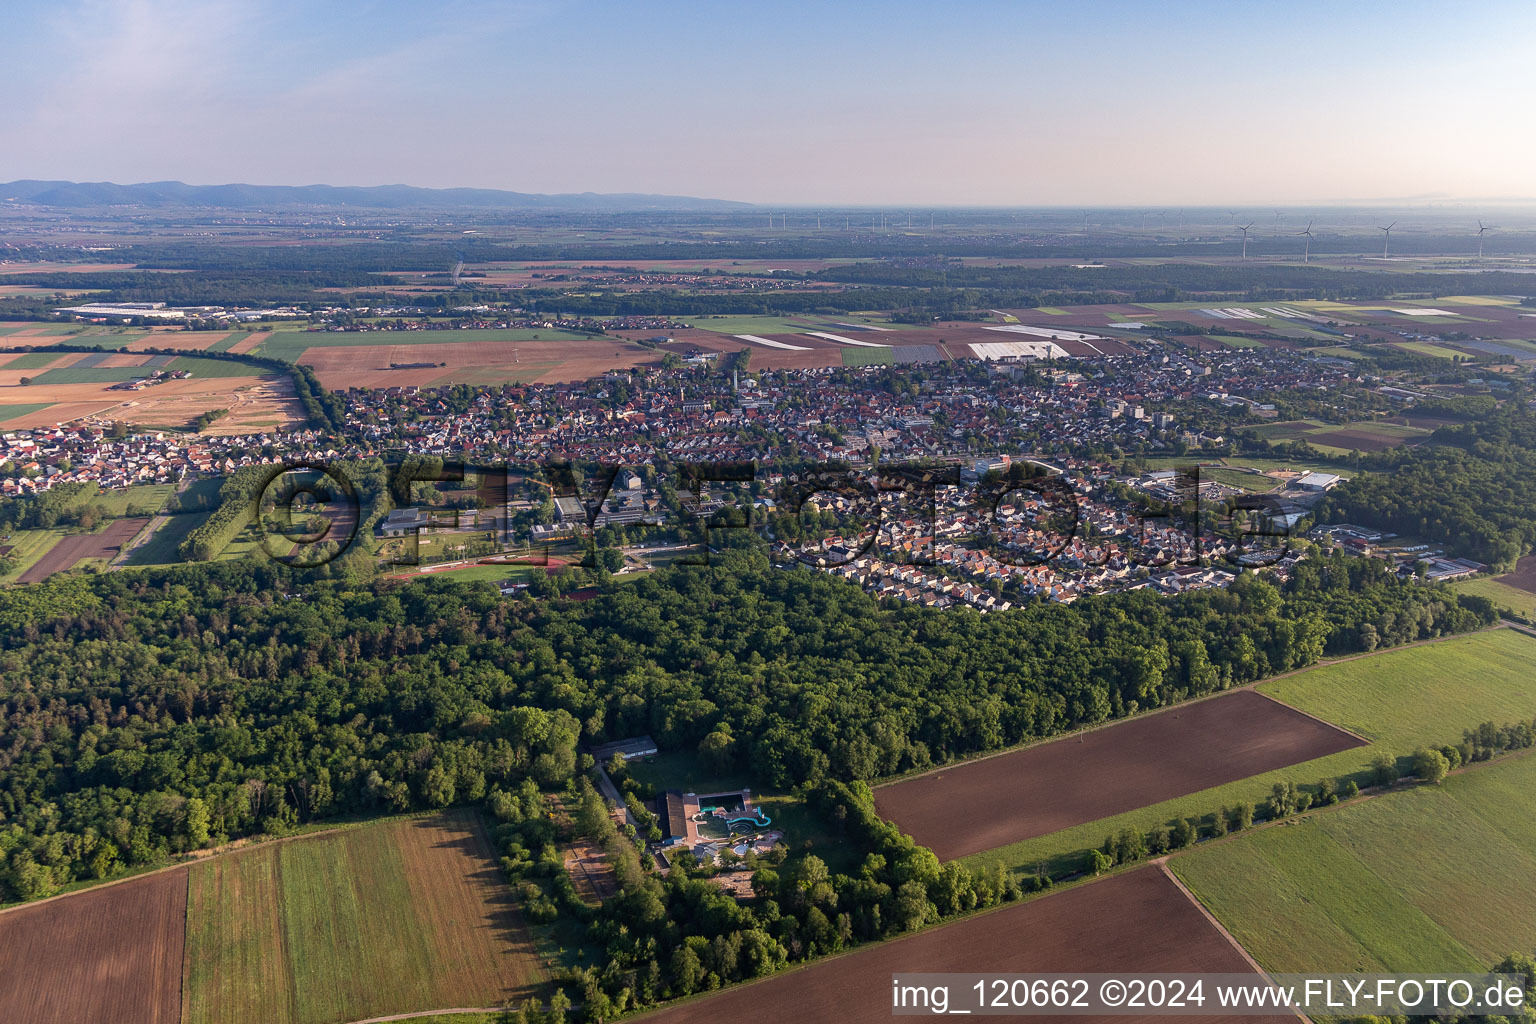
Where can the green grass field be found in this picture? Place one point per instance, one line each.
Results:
(161, 547)
(1424, 348)
(32, 360)
(1502, 595)
(225, 344)
(1399, 700)
(90, 374)
(403, 915)
(11, 412)
(758, 324)
(1426, 878)
(139, 497)
(201, 367)
(868, 357)
(289, 345)
(1236, 341)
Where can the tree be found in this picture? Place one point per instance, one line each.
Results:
(1099, 862)
(1430, 765)
(1384, 769)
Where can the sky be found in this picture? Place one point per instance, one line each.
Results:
(845, 103)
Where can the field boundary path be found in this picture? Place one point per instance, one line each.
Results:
(429, 1013)
(1162, 865)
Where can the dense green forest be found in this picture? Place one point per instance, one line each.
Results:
(145, 714)
(1473, 489)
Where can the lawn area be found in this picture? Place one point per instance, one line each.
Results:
(868, 357)
(1502, 595)
(1397, 699)
(407, 914)
(1423, 878)
(1237, 341)
(680, 769)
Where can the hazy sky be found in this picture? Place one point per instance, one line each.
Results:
(785, 102)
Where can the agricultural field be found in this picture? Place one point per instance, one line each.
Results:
(71, 550)
(67, 386)
(162, 546)
(113, 953)
(1136, 922)
(1501, 593)
(26, 547)
(393, 917)
(1426, 878)
(1005, 799)
(868, 357)
(1397, 700)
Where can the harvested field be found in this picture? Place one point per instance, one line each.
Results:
(394, 917)
(995, 801)
(1138, 922)
(71, 550)
(110, 955)
(267, 399)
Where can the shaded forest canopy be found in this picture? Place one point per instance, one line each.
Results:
(145, 714)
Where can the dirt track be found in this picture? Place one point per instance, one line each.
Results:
(1138, 922)
(981, 805)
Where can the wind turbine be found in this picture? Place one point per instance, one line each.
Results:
(1244, 229)
(1481, 227)
(1085, 222)
(1307, 255)
(1387, 245)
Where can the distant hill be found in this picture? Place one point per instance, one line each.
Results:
(166, 194)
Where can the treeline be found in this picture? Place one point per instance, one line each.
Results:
(210, 287)
(1178, 281)
(1472, 490)
(363, 482)
(125, 697)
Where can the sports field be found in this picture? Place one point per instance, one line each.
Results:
(1429, 878)
(1396, 699)
(402, 916)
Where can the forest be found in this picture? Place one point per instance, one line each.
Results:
(1472, 490)
(150, 713)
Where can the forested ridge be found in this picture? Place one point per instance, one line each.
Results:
(145, 714)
